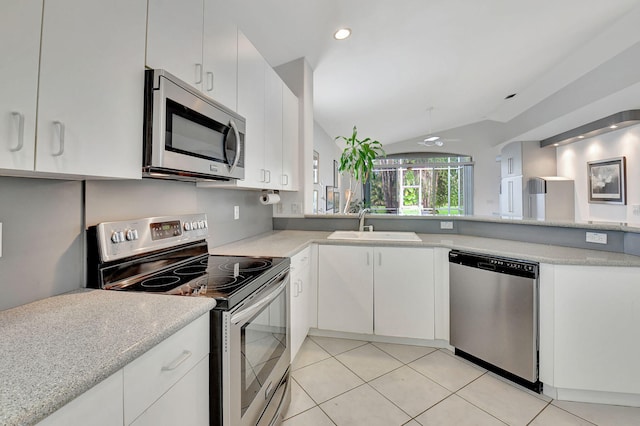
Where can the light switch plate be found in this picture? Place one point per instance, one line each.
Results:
(236, 212)
(596, 237)
(446, 225)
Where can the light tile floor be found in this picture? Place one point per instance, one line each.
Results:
(351, 382)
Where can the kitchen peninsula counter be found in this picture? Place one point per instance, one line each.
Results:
(55, 349)
(289, 242)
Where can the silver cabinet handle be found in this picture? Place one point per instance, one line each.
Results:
(20, 117)
(198, 78)
(209, 81)
(268, 176)
(263, 175)
(175, 364)
(379, 259)
(285, 179)
(60, 126)
(368, 260)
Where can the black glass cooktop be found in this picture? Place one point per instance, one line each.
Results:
(228, 279)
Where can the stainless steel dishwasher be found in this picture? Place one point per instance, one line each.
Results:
(494, 314)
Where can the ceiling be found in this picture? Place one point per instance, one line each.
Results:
(568, 62)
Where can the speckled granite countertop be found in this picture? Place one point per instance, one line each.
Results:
(55, 349)
(288, 243)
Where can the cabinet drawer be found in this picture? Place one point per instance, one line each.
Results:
(301, 260)
(153, 373)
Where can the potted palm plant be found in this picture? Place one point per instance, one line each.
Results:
(357, 159)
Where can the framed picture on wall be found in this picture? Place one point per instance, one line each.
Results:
(607, 181)
(330, 192)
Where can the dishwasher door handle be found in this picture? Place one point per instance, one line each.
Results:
(486, 266)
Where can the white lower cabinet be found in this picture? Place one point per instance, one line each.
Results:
(388, 291)
(100, 406)
(303, 300)
(151, 375)
(185, 403)
(167, 385)
(590, 329)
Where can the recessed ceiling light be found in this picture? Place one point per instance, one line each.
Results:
(342, 33)
(613, 126)
(555, 144)
(510, 96)
(581, 137)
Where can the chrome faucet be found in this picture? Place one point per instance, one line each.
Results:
(361, 215)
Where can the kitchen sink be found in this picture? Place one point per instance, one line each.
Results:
(374, 236)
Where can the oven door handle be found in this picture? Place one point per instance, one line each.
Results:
(247, 312)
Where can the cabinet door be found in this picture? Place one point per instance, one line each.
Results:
(148, 377)
(289, 178)
(20, 23)
(511, 197)
(511, 160)
(273, 129)
(91, 83)
(301, 299)
(174, 38)
(220, 54)
(596, 320)
(404, 292)
(251, 102)
(186, 403)
(345, 289)
(100, 406)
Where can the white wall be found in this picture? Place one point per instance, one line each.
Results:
(328, 151)
(572, 163)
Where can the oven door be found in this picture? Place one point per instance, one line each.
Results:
(259, 356)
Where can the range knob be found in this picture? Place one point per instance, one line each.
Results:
(194, 225)
(115, 237)
(206, 225)
(201, 224)
(187, 226)
(131, 234)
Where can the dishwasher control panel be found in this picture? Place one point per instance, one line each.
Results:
(498, 264)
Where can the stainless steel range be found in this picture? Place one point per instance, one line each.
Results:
(250, 330)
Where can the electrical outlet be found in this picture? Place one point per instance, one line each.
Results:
(236, 212)
(446, 225)
(596, 237)
(279, 208)
(636, 210)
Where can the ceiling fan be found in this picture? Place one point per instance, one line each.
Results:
(432, 140)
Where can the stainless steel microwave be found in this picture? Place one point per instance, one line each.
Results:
(187, 135)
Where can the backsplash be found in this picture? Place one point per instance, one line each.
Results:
(44, 222)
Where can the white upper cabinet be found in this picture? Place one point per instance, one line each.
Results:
(174, 38)
(197, 41)
(220, 55)
(251, 104)
(20, 23)
(289, 178)
(273, 129)
(90, 106)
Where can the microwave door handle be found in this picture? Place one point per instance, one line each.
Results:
(238, 144)
(248, 312)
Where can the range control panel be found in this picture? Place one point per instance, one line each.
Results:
(117, 240)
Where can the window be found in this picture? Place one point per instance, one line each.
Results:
(421, 184)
